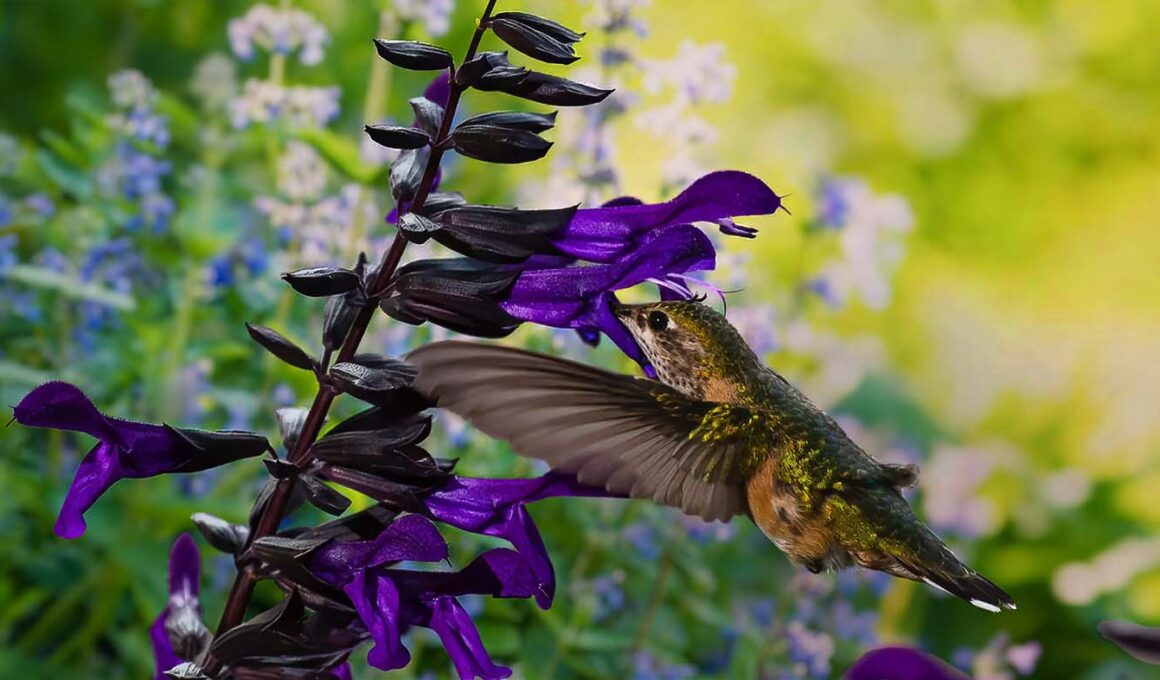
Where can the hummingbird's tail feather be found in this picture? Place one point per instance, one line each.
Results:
(962, 582)
(904, 546)
(971, 586)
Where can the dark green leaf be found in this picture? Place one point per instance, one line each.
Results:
(495, 144)
(556, 91)
(323, 497)
(291, 420)
(414, 55)
(520, 120)
(407, 172)
(322, 281)
(397, 137)
(428, 115)
(225, 536)
(556, 30)
(341, 311)
(417, 228)
(531, 40)
(498, 234)
(280, 346)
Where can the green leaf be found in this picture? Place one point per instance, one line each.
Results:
(501, 639)
(64, 147)
(11, 372)
(68, 178)
(598, 641)
(343, 155)
(69, 286)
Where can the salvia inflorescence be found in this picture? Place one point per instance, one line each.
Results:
(344, 583)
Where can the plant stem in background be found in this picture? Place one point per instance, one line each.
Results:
(378, 89)
(654, 602)
(243, 586)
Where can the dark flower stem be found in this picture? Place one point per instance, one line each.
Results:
(245, 580)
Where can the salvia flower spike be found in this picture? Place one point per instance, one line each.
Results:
(352, 581)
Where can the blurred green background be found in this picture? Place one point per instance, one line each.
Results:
(969, 279)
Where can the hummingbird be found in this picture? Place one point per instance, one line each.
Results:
(717, 434)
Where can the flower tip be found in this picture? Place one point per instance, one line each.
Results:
(69, 528)
(39, 407)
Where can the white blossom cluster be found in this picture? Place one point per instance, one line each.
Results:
(872, 232)
(697, 76)
(316, 223)
(434, 15)
(278, 31)
(263, 102)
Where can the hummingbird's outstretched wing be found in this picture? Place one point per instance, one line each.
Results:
(630, 435)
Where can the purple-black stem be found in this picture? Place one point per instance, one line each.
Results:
(244, 582)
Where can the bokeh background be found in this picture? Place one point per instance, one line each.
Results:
(969, 279)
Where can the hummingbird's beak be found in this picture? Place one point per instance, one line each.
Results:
(619, 310)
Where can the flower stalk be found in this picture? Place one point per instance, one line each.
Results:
(244, 582)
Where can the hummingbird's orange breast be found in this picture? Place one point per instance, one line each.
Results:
(775, 510)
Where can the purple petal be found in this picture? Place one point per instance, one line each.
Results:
(494, 507)
(376, 599)
(63, 406)
(621, 201)
(412, 537)
(98, 471)
(185, 567)
(184, 581)
(147, 449)
(439, 90)
(731, 228)
(499, 572)
(605, 234)
(163, 655)
(901, 663)
(461, 640)
(342, 671)
(126, 448)
(559, 296)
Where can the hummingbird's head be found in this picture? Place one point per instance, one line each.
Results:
(691, 346)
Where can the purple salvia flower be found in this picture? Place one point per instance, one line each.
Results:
(496, 507)
(184, 586)
(389, 601)
(460, 638)
(608, 233)
(126, 449)
(900, 663)
(581, 297)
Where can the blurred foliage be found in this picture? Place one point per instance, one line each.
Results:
(1016, 354)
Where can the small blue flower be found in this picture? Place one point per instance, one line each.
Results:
(8, 256)
(41, 204)
(833, 203)
(642, 536)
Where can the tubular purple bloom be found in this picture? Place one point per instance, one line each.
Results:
(901, 663)
(495, 507)
(439, 90)
(389, 601)
(581, 297)
(412, 537)
(126, 449)
(184, 588)
(457, 632)
(608, 233)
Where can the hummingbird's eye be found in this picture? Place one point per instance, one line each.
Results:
(658, 321)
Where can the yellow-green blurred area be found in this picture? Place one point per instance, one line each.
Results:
(1018, 346)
